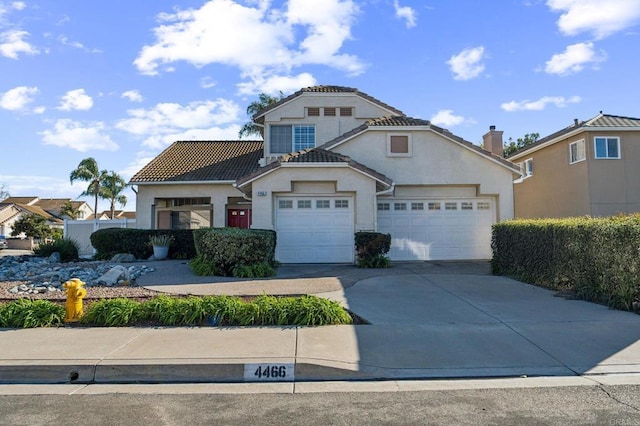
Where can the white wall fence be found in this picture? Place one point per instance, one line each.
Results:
(81, 230)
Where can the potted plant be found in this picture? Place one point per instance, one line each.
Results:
(160, 244)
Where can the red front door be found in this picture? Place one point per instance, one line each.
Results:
(239, 218)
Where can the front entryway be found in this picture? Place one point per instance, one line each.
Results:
(314, 229)
(238, 218)
(438, 229)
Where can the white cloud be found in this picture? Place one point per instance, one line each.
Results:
(573, 59)
(406, 13)
(161, 141)
(12, 43)
(540, 104)
(132, 95)
(18, 5)
(79, 136)
(18, 98)
(207, 82)
(274, 84)
(446, 118)
(76, 44)
(165, 122)
(598, 17)
(76, 100)
(302, 32)
(467, 64)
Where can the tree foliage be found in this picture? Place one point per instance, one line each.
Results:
(104, 184)
(512, 147)
(264, 100)
(71, 212)
(113, 185)
(32, 226)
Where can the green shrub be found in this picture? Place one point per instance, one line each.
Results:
(111, 241)
(113, 312)
(596, 258)
(228, 247)
(174, 311)
(259, 270)
(202, 267)
(25, 313)
(371, 248)
(67, 247)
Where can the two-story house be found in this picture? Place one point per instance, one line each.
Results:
(335, 161)
(589, 168)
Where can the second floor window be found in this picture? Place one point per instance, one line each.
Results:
(607, 147)
(291, 138)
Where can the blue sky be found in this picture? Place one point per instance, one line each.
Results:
(120, 80)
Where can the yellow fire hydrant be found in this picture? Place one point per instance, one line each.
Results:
(75, 294)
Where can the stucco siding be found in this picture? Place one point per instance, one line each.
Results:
(557, 188)
(283, 180)
(147, 194)
(435, 161)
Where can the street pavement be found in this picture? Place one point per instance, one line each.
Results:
(427, 320)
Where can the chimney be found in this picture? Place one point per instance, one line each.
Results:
(493, 141)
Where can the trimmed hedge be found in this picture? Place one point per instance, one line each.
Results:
(226, 248)
(371, 248)
(596, 258)
(111, 241)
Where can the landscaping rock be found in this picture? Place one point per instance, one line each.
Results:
(123, 258)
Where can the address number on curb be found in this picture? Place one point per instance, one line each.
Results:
(269, 372)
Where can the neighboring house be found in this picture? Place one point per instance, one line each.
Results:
(13, 208)
(336, 161)
(589, 168)
(118, 215)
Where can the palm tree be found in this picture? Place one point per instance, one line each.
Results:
(112, 186)
(88, 171)
(68, 210)
(254, 107)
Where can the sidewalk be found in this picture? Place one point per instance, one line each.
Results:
(428, 321)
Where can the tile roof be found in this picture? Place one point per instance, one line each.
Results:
(314, 155)
(327, 89)
(599, 121)
(20, 200)
(188, 161)
(404, 121)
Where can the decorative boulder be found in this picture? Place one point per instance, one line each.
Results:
(114, 275)
(123, 258)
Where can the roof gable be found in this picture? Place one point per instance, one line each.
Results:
(325, 89)
(190, 161)
(599, 122)
(406, 123)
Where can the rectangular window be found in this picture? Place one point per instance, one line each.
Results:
(285, 204)
(417, 206)
(466, 205)
(346, 112)
(304, 204)
(341, 204)
(399, 206)
(286, 138)
(398, 145)
(322, 204)
(384, 206)
(434, 206)
(484, 205)
(451, 206)
(528, 167)
(607, 147)
(577, 151)
(330, 112)
(313, 112)
(304, 137)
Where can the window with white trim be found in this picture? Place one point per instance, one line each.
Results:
(417, 206)
(399, 145)
(577, 151)
(528, 167)
(384, 206)
(341, 204)
(304, 204)
(285, 204)
(323, 204)
(400, 206)
(451, 206)
(291, 138)
(483, 205)
(607, 147)
(434, 206)
(466, 205)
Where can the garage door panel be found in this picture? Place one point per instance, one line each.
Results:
(437, 233)
(314, 234)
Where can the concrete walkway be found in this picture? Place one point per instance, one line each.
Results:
(428, 320)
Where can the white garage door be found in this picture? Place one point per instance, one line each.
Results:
(445, 229)
(314, 229)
